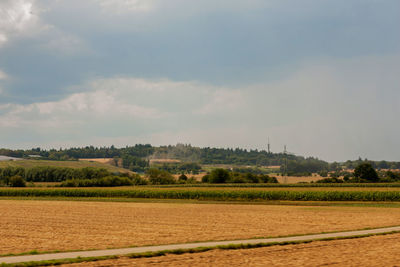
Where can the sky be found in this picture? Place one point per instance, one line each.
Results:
(320, 76)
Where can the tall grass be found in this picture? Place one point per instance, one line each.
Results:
(206, 194)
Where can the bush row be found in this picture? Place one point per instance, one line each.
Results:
(107, 181)
(220, 176)
(52, 174)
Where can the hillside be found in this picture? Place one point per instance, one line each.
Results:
(139, 157)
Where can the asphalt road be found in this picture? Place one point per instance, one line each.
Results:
(124, 251)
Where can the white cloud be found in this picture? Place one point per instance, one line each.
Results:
(333, 109)
(121, 99)
(74, 110)
(3, 75)
(222, 101)
(18, 17)
(125, 6)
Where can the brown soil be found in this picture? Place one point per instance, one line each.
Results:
(369, 251)
(75, 225)
(295, 179)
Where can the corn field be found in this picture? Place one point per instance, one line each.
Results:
(205, 194)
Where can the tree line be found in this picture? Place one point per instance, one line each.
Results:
(53, 174)
(136, 158)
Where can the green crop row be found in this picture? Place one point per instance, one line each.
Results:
(273, 185)
(246, 195)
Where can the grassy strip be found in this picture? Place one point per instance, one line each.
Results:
(58, 262)
(205, 194)
(182, 251)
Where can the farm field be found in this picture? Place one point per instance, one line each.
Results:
(297, 179)
(216, 188)
(99, 160)
(215, 194)
(29, 163)
(368, 251)
(77, 225)
(273, 188)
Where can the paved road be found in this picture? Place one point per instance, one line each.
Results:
(124, 251)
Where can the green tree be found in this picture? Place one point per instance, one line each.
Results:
(365, 172)
(157, 176)
(218, 176)
(182, 177)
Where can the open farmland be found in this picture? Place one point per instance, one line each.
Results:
(29, 163)
(368, 251)
(297, 179)
(99, 160)
(63, 225)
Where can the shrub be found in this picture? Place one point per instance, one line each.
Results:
(191, 180)
(219, 176)
(267, 179)
(156, 176)
(323, 173)
(330, 180)
(138, 180)
(182, 177)
(394, 176)
(17, 181)
(205, 178)
(238, 180)
(252, 178)
(100, 182)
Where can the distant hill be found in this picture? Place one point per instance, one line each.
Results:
(138, 157)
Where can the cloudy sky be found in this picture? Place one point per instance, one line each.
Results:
(322, 76)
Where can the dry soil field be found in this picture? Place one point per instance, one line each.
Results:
(369, 251)
(295, 179)
(73, 225)
(100, 160)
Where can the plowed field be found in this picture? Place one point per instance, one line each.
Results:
(63, 225)
(369, 251)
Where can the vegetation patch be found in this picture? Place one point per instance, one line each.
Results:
(206, 194)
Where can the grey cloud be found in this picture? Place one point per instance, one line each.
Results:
(320, 76)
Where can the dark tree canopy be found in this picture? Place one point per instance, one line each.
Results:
(219, 176)
(365, 172)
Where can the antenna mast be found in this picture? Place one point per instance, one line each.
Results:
(269, 147)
